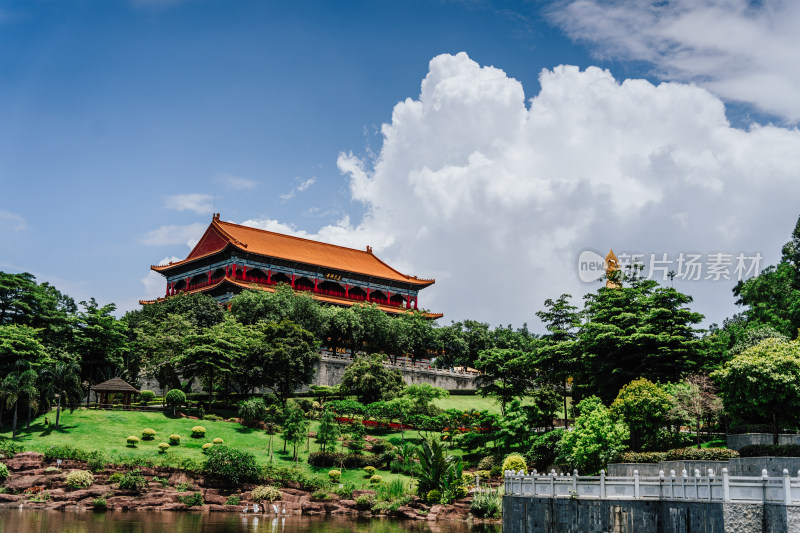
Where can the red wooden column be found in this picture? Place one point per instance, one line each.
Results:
(347, 290)
(244, 272)
(188, 279)
(269, 277)
(233, 270)
(368, 291)
(209, 276)
(316, 283)
(415, 302)
(293, 281)
(408, 301)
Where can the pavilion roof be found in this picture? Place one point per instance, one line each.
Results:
(115, 385)
(221, 234)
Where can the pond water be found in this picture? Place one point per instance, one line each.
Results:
(29, 521)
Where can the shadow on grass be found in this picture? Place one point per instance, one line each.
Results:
(245, 430)
(44, 431)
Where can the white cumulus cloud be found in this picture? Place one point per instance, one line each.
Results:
(202, 204)
(741, 50)
(155, 284)
(237, 183)
(174, 234)
(12, 221)
(495, 197)
(304, 185)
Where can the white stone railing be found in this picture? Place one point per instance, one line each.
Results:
(330, 356)
(724, 488)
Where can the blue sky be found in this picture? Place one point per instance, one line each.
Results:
(125, 124)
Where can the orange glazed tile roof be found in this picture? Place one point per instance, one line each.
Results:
(291, 248)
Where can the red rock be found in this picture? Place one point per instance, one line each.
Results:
(20, 483)
(10, 497)
(313, 508)
(408, 513)
(357, 493)
(25, 461)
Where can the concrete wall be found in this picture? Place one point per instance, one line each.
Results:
(524, 514)
(737, 441)
(738, 466)
(330, 372)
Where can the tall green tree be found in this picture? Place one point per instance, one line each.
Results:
(328, 432)
(295, 427)
(285, 357)
(19, 386)
(638, 330)
(160, 345)
(763, 382)
(214, 354)
(505, 374)
(62, 380)
(100, 342)
(556, 358)
(643, 406)
(368, 379)
(597, 438)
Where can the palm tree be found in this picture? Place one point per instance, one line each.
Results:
(63, 381)
(17, 386)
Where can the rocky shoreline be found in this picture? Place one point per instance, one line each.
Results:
(30, 477)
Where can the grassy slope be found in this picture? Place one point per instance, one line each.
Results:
(107, 431)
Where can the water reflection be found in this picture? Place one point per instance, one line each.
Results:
(27, 521)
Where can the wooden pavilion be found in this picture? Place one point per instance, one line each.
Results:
(104, 390)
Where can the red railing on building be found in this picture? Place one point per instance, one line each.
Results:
(306, 288)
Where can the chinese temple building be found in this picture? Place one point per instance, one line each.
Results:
(229, 258)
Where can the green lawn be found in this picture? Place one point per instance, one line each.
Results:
(107, 431)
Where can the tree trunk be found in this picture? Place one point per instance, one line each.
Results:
(58, 410)
(565, 406)
(284, 445)
(698, 433)
(28, 422)
(14, 423)
(775, 428)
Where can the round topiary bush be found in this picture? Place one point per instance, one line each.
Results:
(433, 496)
(370, 470)
(174, 439)
(486, 463)
(146, 396)
(218, 441)
(334, 475)
(207, 446)
(3, 472)
(148, 434)
(175, 398)
(375, 480)
(265, 492)
(198, 432)
(133, 441)
(515, 462)
(163, 446)
(79, 479)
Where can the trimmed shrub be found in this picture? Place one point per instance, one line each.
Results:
(231, 466)
(370, 470)
(544, 450)
(252, 411)
(703, 454)
(99, 504)
(496, 471)
(265, 492)
(175, 398)
(207, 446)
(515, 462)
(433, 496)
(79, 479)
(133, 480)
(198, 432)
(320, 495)
(365, 502)
(163, 446)
(233, 499)
(193, 500)
(218, 441)
(379, 446)
(174, 439)
(643, 457)
(51, 469)
(4, 472)
(148, 434)
(333, 474)
(375, 480)
(486, 463)
(770, 450)
(146, 396)
(133, 441)
(116, 477)
(484, 474)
